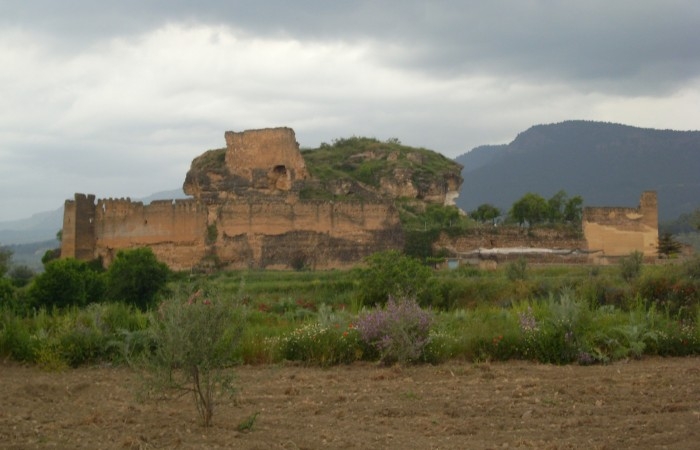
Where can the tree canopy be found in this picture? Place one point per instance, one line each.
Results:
(485, 212)
(532, 208)
(136, 277)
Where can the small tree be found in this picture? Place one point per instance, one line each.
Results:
(555, 207)
(631, 266)
(531, 208)
(21, 275)
(668, 246)
(485, 212)
(392, 274)
(67, 282)
(573, 210)
(136, 277)
(195, 340)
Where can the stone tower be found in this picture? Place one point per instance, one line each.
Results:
(268, 159)
(78, 240)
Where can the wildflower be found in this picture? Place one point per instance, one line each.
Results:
(528, 323)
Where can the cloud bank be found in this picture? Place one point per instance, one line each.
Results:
(116, 99)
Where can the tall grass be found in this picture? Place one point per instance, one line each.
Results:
(556, 314)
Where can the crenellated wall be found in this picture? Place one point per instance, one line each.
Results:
(270, 232)
(175, 230)
(246, 212)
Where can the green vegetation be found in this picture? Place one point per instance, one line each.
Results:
(368, 160)
(485, 212)
(392, 274)
(211, 160)
(5, 258)
(193, 341)
(66, 282)
(136, 277)
(668, 246)
(534, 209)
(554, 314)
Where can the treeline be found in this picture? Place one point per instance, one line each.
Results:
(135, 278)
(533, 209)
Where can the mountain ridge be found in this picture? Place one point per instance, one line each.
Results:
(43, 226)
(607, 164)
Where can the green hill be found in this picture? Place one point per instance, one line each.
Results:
(607, 164)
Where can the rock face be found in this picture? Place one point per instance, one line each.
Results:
(247, 211)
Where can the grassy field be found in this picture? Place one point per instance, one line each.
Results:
(559, 314)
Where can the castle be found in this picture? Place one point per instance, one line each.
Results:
(246, 213)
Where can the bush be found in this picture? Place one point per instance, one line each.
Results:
(194, 343)
(136, 277)
(392, 274)
(314, 343)
(399, 333)
(21, 275)
(517, 270)
(7, 292)
(15, 338)
(631, 266)
(557, 335)
(67, 282)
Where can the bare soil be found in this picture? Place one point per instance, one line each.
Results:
(652, 403)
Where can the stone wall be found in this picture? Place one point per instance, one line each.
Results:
(246, 212)
(268, 159)
(515, 242)
(615, 231)
(274, 232)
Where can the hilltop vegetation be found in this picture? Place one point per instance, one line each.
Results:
(368, 160)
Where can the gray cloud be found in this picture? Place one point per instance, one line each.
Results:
(116, 98)
(601, 45)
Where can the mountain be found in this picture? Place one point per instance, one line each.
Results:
(607, 164)
(43, 226)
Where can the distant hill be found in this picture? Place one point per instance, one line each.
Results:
(607, 164)
(43, 226)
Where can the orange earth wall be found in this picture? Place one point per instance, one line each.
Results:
(274, 233)
(615, 232)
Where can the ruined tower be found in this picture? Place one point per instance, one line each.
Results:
(618, 231)
(78, 239)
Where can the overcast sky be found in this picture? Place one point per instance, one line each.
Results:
(117, 98)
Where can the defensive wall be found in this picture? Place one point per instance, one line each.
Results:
(608, 233)
(276, 233)
(612, 232)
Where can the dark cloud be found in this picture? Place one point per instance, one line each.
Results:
(634, 45)
(95, 95)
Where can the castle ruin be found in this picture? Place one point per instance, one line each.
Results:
(246, 213)
(612, 232)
